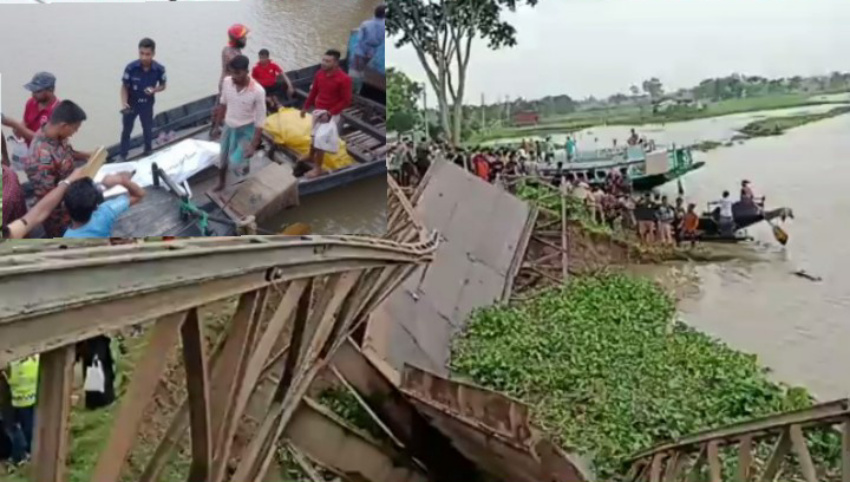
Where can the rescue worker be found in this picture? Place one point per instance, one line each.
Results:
(23, 383)
(142, 80)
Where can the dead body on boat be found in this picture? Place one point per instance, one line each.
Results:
(179, 168)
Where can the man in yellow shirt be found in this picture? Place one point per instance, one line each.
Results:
(23, 383)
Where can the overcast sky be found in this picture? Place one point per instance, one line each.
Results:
(600, 47)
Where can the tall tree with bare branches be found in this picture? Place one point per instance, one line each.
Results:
(443, 32)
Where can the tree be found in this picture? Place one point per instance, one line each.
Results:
(653, 87)
(442, 33)
(617, 98)
(402, 94)
(634, 90)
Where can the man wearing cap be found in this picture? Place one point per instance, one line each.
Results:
(237, 39)
(38, 108)
(142, 79)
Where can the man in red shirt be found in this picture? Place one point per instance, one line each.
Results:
(272, 77)
(38, 108)
(330, 95)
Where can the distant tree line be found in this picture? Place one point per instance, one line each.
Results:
(404, 113)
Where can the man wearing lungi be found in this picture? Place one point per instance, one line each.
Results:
(330, 95)
(242, 107)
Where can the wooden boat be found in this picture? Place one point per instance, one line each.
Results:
(645, 170)
(176, 212)
(745, 214)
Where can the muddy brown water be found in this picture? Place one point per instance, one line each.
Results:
(88, 55)
(798, 328)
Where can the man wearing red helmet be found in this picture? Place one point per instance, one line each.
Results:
(238, 37)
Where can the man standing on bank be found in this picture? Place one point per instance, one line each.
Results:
(142, 79)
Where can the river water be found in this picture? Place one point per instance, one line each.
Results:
(798, 328)
(87, 46)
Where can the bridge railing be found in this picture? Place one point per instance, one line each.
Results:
(299, 298)
(756, 450)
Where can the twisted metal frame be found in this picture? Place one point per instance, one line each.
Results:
(299, 299)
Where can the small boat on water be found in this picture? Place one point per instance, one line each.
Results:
(645, 170)
(745, 214)
(187, 207)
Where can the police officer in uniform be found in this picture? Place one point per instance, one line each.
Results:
(142, 80)
(23, 383)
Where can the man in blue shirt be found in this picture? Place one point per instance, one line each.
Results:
(370, 37)
(142, 79)
(91, 216)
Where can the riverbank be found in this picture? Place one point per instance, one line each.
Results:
(774, 126)
(604, 360)
(636, 115)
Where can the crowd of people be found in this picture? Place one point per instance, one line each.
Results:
(653, 217)
(69, 204)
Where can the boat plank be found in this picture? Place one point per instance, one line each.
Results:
(157, 215)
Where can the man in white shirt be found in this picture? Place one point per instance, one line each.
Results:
(242, 108)
(726, 221)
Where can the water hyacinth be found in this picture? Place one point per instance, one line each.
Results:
(610, 371)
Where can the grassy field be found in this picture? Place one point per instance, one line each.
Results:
(635, 115)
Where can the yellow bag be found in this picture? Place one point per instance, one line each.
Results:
(288, 129)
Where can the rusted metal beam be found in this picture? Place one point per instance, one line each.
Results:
(52, 411)
(28, 336)
(256, 364)
(143, 383)
(243, 327)
(68, 278)
(256, 462)
(804, 458)
(343, 449)
(565, 245)
(302, 311)
(745, 458)
(845, 450)
(783, 446)
(197, 385)
(305, 464)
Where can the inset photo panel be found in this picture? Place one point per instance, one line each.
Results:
(207, 118)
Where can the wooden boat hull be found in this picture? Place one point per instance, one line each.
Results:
(648, 183)
(745, 216)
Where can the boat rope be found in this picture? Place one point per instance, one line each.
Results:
(188, 209)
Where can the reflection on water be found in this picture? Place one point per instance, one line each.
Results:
(89, 60)
(799, 328)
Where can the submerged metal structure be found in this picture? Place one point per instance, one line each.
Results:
(251, 381)
(298, 300)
